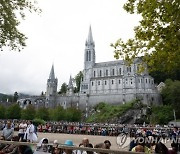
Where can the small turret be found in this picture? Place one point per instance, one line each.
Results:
(70, 86)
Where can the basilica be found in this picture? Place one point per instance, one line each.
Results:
(112, 82)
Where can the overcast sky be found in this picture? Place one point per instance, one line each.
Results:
(58, 36)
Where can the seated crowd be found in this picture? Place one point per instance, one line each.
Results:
(28, 133)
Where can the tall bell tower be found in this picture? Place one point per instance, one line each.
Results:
(89, 52)
(51, 90)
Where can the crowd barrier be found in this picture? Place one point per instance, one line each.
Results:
(61, 146)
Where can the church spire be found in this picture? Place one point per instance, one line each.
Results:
(70, 82)
(89, 40)
(52, 75)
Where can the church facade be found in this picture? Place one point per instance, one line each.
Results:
(113, 82)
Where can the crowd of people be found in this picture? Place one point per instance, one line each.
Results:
(143, 139)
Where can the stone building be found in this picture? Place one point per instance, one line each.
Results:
(112, 82)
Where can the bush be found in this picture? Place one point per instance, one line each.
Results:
(37, 122)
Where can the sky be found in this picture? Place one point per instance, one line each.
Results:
(57, 36)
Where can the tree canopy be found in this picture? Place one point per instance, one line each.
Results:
(157, 37)
(11, 12)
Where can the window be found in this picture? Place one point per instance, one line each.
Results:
(98, 82)
(94, 73)
(106, 72)
(113, 72)
(100, 73)
(149, 81)
(112, 81)
(105, 82)
(119, 71)
(131, 81)
(129, 69)
(92, 83)
(119, 81)
(89, 55)
(146, 80)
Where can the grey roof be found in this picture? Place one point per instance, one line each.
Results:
(109, 63)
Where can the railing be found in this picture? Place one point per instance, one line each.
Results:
(61, 146)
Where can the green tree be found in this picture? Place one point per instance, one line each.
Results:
(59, 113)
(162, 114)
(28, 113)
(63, 89)
(171, 95)
(2, 112)
(42, 113)
(11, 13)
(13, 112)
(157, 37)
(73, 114)
(78, 79)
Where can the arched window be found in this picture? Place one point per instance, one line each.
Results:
(100, 73)
(94, 73)
(112, 81)
(106, 72)
(119, 71)
(113, 72)
(89, 55)
(98, 82)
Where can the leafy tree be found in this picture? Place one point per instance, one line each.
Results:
(29, 113)
(2, 112)
(59, 113)
(73, 114)
(63, 89)
(157, 37)
(11, 12)
(162, 114)
(42, 113)
(13, 112)
(16, 96)
(171, 95)
(78, 79)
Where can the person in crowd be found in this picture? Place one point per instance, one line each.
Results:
(24, 149)
(141, 143)
(161, 148)
(43, 146)
(85, 143)
(8, 132)
(30, 134)
(22, 129)
(175, 138)
(70, 144)
(105, 145)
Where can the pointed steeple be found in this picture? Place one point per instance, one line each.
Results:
(89, 40)
(52, 75)
(70, 85)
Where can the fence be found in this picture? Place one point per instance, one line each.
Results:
(61, 146)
